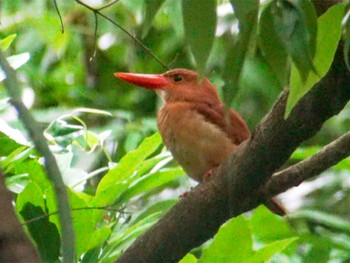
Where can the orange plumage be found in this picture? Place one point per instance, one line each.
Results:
(193, 122)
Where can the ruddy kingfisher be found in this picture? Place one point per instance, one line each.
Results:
(194, 123)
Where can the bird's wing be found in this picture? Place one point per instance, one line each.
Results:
(231, 123)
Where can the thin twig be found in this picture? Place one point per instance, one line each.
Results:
(107, 208)
(50, 164)
(97, 11)
(95, 37)
(328, 156)
(59, 15)
(108, 5)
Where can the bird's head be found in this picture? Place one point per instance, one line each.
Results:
(175, 85)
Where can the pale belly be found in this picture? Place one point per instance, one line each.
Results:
(195, 144)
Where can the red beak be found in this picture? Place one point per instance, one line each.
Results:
(150, 81)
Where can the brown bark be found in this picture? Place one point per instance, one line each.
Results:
(14, 244)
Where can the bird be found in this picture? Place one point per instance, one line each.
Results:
(194, 123)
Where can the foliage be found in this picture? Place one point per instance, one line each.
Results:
(120, 183)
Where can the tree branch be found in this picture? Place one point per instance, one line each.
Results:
(238, 185)
(330, 155)
(52, 170)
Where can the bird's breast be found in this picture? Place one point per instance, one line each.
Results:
(195, 143)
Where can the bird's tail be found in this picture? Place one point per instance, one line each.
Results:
(275, 207)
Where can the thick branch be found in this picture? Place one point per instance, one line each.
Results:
(330, 155)
(50, 164)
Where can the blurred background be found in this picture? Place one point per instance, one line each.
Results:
(61, 72)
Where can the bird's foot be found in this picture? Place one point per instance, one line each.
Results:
(208, 174)
(184, 194)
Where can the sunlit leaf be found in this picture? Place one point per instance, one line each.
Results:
(83, 221)
(7, 41)
(122, 239)
(276, 229)
(233, 243)
(7, 145)
(325, 49)
(15, 62)
(30, 205)
(93, 111)
(98, 237)
(266, 252)
(189, 258)
(17, 183)
(151, 182)
(127, 165)
(346, 34)
(200, 24)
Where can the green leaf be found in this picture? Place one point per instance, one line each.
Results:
(320, 250)
(98, 237)
(118, 179)
(33, 194)
(16, 183)
(159, 207)
(36, 173)
(15, 62)
(121, 239)
(6, 42)
(10, 139)
(30, 204)
(128, 164)
(150, 182)
(150, 164)
(268, 227)
(233, 243)
(325, 49)
(43, 232)
(320, 218)
(247, 13)
(96, 244)
(346, 34)
(200, 25)
(83, 220)
(15, 157)
(173, 10)
(302, 153)
(272, 47)
(61, 128)
(90, 110)
(151, 8)
(295, 25)
(189, 258)
(33, 170)
(106, 197)
(87, 141)
(269, 250)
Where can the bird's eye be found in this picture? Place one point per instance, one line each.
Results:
(177, 77)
